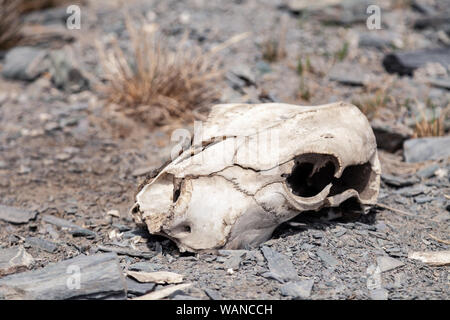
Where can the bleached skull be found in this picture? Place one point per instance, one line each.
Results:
(256, 167)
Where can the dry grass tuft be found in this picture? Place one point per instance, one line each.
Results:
(274, 47)
(158, 83)
(433, 127)
(371, 104)
(10, 23)
(273, 50)
(10, 18)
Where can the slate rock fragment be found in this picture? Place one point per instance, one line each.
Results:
(213, 294)
(138, 288)
(428, 171)
(25, 63)
(126, 251)
(327, 258)
(280, 265)
(297, 289)
(390, 136)
(43, 244)
(16, 215)
(74, 229)
(388, 263)
(65, 75)
(397, 181)
(379, 294)
(423, 149)
(83, 277)
(404, 63)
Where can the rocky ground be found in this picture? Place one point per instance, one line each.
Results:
(64, 155)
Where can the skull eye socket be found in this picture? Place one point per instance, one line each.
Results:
(313, 172)
(357, 177)
(306, 183)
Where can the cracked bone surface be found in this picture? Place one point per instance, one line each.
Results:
(256, 166)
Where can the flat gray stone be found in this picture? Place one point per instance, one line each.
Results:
(244, 73)
(145, 267)
(327, 258)
(234, 258)
(348, 74)
(14, 260)
(297, 6)
(25, 63)
(423, 199)
(437, 21)
(3, 165)
(59, 222)
(42, 244)
(428, 171)
(371, 40)
(127, 251)
(184, 297)
(84, 277)
(388, 263)
(81, 232)
(379, 294)
(47, 16)
(423, 6)
(138, 288)
(412, 191)
(16, 215)
(280, 265)
(423, 149)
(396, 181)
(213, 294)
(297, 289)
(390, 135)
(74, 229)
(232, 262)
(64, 74)
(440, 83)
(404, 63)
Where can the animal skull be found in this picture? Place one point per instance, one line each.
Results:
(231, 191)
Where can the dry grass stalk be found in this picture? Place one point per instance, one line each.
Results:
(433, 127)
(159, 83)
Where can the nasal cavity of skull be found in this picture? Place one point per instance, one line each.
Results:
(304, 183)
(176, 189)
(181, 229)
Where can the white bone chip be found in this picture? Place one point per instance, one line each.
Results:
(437, 258)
